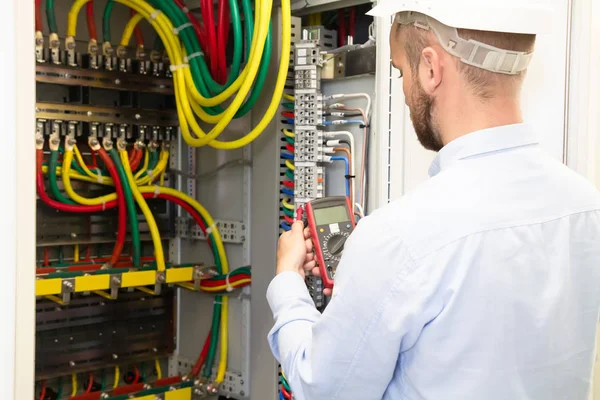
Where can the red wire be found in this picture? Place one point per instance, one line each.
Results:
(46, 257)
(202, 357)
(221, 45)
(352, 21)
(137, 374)
(286, 394)
(88, 252)
(91, 22)
(136, 161)
(289, 148)
(199, 29)
(287, 114)
(211, 36)
(43, 393)
(289, 220)
(139, 37)
(341, 27)
(122, 225)
(288, 183)
(39, 24)
(90, 379)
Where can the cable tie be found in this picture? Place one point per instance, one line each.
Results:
(156, 191)
(185, 9)
(151, 174)
(103, 204)
(210, 228)
(192, 56)
(99, 174)
(363, 126)
(174, 68)
(155, 14)
(350, 176)
(228, 286)
(181, 27)
(217, 302)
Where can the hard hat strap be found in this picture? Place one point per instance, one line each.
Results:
(471, 52)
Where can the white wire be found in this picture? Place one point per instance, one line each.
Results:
(354, 96)
(350, 137)
(361, 212)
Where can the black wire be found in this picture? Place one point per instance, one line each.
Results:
(346, 142)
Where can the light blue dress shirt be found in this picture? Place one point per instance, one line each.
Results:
(482, 284)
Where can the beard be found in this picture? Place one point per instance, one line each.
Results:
(420, 105)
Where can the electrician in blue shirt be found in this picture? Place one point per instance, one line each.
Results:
(483, 283)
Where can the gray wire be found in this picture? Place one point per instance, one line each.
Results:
(240, 162)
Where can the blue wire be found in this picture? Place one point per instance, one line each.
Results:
(281, 395)
(285, 226)
(287, 191)
(287, 156)
(345, 121)
(291, 121)
(347, 172)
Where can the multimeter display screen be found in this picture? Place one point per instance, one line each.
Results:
(331, 215)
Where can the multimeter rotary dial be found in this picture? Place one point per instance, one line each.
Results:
(333, 245)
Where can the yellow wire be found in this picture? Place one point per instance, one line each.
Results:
(289, 164)
(185, 91)
(73, 385)
(216, 236)
(158, 370)
(66, 177)
(74, 175)
(117, 374)
(286, 204)
(222, 288)
(161, 182)
(76, 252)
(145, 166)
(158, 248)
(289, 97)
(81, 162)
(153, 174)
(129, 28)
(289, 133)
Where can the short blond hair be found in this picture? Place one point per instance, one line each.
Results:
(483, 83)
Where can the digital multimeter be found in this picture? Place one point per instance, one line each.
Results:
(331, 222)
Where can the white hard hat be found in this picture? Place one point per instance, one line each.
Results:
(511, 16)
(443, 17)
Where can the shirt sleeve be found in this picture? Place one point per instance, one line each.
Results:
(378, 309)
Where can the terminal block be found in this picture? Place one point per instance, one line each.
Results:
(308, 145)
(309, 183)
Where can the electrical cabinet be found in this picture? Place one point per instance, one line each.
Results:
(84, 317)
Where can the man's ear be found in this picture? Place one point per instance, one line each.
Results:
(431, 70)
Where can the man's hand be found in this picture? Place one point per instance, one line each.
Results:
(294, 252)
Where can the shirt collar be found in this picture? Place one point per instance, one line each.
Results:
(481, 142)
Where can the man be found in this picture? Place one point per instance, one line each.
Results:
(483, 283)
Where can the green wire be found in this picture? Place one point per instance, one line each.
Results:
(158, 44)
(289, 213)
(200, 72)
(103, 381)
(214, 337)
(290, 140)
(288, 105)
(285, 384)
(99, 250)
(60, 389)
(106, 36)
(74, 165)
(249, 25)
(289, 173)
(52, 178)
(51, 16)
(60, 255)
(131, 209)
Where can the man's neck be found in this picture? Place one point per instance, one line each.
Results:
(472, 115)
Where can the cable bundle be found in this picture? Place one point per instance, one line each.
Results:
(198, 95)
(135, 186)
